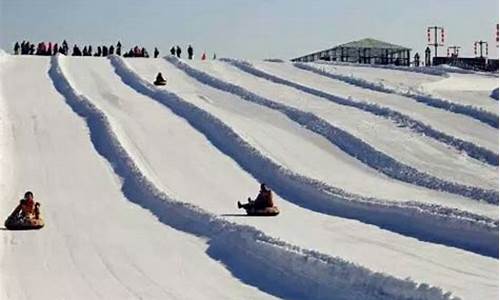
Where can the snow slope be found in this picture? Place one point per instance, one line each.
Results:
(296, 218)
(157, 172)
(410, 92)
(303, 286)
(472, 90)
(424, 154)
(96, 244)
(474, 85)
(458, 126)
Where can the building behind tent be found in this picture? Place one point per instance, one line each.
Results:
(365, 51)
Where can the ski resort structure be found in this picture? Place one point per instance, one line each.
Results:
(365, 51)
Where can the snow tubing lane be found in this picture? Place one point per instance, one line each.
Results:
(427, 222)
(245, 251)
(472, 150)
(348, 143)
(433, 71)
(466, 110)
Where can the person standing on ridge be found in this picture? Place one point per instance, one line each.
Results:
(16, 48)
(428, 57)
(416, 60)
(190, 52)
(118, 48)
(178, 51)
(65, 47)
(156, 52)
(172, 51)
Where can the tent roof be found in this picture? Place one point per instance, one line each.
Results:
(371, 43)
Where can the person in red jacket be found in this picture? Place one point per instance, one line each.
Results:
(264, 199)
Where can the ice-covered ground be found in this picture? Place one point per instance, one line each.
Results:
(138, 184)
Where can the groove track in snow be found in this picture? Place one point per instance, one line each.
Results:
(316, 195)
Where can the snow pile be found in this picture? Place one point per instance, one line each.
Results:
(467, 110)
(398, 118)
(494, 94)
(248, 253)
(318, 196)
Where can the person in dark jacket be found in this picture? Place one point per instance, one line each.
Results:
(190, 52)
(263, 200)
(178, 51)
(118, 48)
(111, 50)
(76, 51)
(156, 53)
(160, 80)
(104, 51)
(16, 48)
(65, 47)
(416, 60)
(172, 51)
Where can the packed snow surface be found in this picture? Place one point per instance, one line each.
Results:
(139, 183)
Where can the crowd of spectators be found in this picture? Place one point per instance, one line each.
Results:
(49, 48)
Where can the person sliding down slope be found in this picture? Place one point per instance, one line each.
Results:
(263, 205)
(26, 215)
(160, 80)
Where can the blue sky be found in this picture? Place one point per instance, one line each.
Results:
(247, 29)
